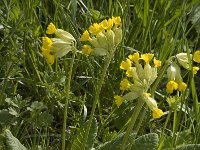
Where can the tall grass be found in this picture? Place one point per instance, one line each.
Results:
(33, 93)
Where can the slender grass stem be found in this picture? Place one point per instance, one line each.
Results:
(99, 85)
(132, 122)
(67, 98)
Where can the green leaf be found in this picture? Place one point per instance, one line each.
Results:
(189, 147)
(6, 117)
(12, 142)
(195, 18)
(78, 142)
(147, 142)
(116, 142)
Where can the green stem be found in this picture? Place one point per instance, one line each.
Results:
(99, 85)
(132, 122)
(67, 98)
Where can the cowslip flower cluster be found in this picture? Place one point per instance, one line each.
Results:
(102, 38)
(60, 45)
(141, 78)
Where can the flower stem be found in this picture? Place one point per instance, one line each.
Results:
(99, 85)
(67, 98)
(132, 122)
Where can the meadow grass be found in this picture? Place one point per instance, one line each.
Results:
(35, 97)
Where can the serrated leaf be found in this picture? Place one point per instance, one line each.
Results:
(116, 142)
(12, 142)
(147, 142)
(78, 142)
(189, 147)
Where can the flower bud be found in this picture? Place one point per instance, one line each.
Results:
(183, 59)
(65, 36)
(118, 35)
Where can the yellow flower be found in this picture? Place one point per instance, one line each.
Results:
(157, 113)
(126, 65)
(116, 20)
(118, 100)
(182, 86)
(46, 42)
(135, 57)
(196, 56)
(85, 36)
(195, 69)
(45, 52)
(51, 29)
(147, 57)
(156, 62)
(95, 28)
(171, 86)
(50, 58)
(124, 85)
(86, 49)
(107, 24)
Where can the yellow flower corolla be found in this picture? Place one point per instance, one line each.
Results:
(194, 70)
(182, 86)
(50, 58)
(125, 65)
(124, 85)
(196, 56)
(117, 21)
(45, 52)
(85, 36)
(51, 29)
(171, 86)
(157, 63)
(95, 29)
(147, 57)
(86, 49)
(107, 24)
(118, 100)
(135, 57)
(157, 113)
(46, 42)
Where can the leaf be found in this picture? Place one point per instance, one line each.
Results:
(195, 18)
(189, 147)
(12, 142)
(6, 117)
(147, 142)
(78, 142)
(116, 142)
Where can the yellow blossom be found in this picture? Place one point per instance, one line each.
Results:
(135, 57)
(196, 56)
(86, 49)
(124, 85)
(51, 29)
(85, 36)
(195, 69)
(50, 58)
(46, 42)
(147, 57)
(157, 113)
(107, 24)
(156, 62)
(182, 86)
(171, 86)
(118, 100)
(125, 65)
(95, 29)
(45, 52)
(116, 20)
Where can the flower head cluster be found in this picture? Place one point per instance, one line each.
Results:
(58, 46)
(141, 77)
(102, 38)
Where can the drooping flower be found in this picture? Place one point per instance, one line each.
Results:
(51, 29)
(86, 49)
(125, 65)
(135, 57)
(50, 58)
(182, 86)
(95, 29)
(157, 113)
(147, 57)
(194, 70)
(46, 42)
(196, 56)
(107, 24)
(117, 21)
(85, 36)
(156, 62)
(124, 85)
(118, 100)
(171, 86)
(183, 59)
